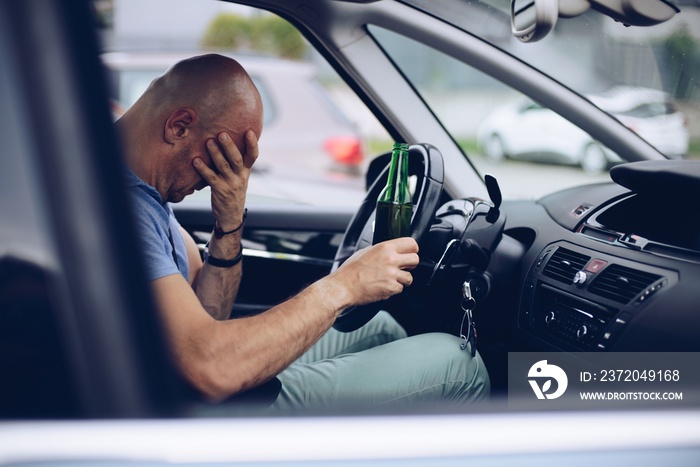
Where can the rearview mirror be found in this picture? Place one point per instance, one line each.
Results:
(531, 20)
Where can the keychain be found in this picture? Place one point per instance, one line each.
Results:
(468, 304)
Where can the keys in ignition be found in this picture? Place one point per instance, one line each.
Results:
(468, 304)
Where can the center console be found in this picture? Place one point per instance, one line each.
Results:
(580, 299)
(611, 279)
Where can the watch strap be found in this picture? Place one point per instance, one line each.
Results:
(223, 263)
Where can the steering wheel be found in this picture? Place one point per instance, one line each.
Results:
(425, 162)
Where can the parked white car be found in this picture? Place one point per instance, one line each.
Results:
(526, 130)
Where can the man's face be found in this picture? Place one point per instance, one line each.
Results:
(186, 178)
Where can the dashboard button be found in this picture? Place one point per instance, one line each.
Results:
(596, 265)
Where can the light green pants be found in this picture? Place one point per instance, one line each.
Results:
(378, 366)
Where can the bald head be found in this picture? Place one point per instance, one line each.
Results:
(194, 101)
(211, 84)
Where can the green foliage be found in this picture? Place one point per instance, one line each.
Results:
(694, 149)
(681, 42)
(226, 31)
(682, 56)
(265, 34)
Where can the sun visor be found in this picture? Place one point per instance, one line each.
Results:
(661, 178)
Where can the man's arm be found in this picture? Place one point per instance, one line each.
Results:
(193, 257)
(219, 288)
(216, 287)
(222, 358)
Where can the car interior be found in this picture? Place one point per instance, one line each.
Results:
(605, 267)
(594, 268)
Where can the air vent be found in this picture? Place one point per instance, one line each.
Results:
(564, 265)
(621, 284)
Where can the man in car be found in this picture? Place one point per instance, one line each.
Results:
(199, 125)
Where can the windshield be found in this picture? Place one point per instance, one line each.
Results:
(642, 76)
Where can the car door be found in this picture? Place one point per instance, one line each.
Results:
(285, 246)
(79, 335)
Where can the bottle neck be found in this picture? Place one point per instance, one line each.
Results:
(396, 190)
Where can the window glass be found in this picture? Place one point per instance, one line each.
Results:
(531, 150)
(317, 138)
(646, 77)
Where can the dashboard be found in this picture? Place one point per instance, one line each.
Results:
(612, 268)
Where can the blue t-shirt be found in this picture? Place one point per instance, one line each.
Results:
(158, 231)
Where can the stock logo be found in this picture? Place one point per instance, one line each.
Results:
(540, 377)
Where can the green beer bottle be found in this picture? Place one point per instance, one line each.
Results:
(394, 204)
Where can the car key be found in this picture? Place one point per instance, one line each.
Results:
(468, 304)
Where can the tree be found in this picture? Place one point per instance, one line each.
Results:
(683, 61)
(267, 34)
(226, 31)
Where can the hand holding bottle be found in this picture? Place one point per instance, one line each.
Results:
(378, 272)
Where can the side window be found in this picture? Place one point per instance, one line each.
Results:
(318, 137)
